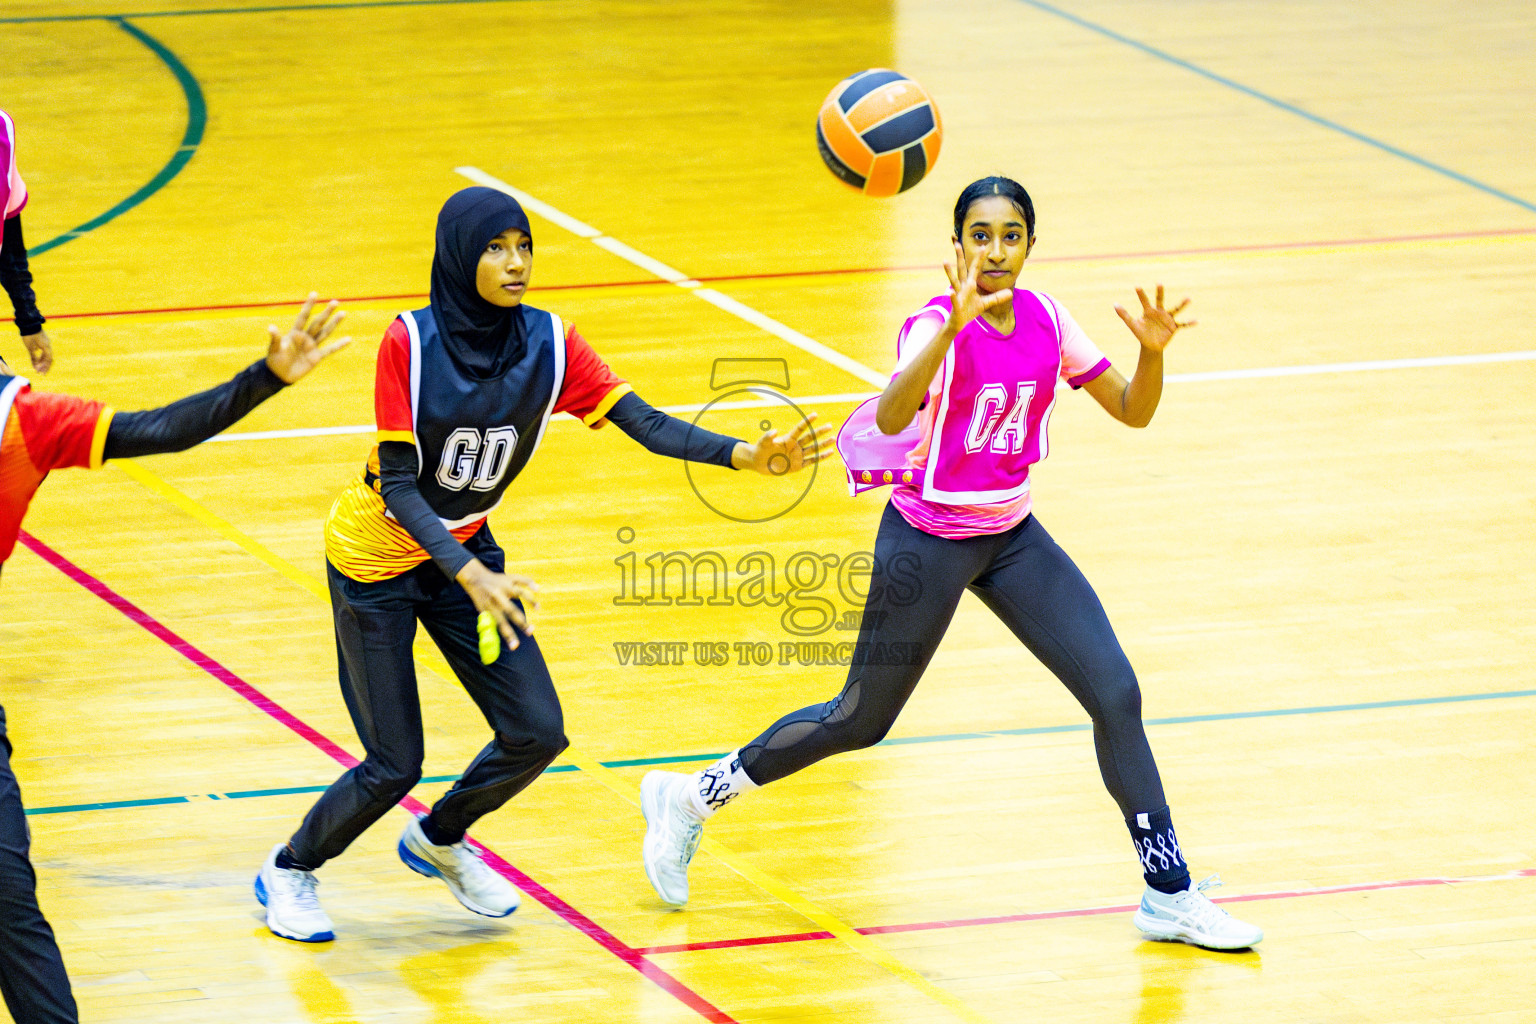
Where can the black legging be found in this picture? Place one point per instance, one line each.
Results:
(32, 978)
(375, 626)
(1029, 583)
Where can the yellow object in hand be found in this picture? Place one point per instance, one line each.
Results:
(490, 638)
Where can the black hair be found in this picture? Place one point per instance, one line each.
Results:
(994, 185)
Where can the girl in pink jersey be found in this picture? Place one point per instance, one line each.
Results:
(978, 369)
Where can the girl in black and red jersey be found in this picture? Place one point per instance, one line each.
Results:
(464, 391)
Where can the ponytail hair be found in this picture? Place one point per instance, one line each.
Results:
(994, 185)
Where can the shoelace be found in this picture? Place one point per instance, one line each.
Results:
(469, 863)
(304, 891)
(1199, 906)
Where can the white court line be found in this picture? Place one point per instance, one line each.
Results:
(268, 435)
(1360, 367)
(538, 206)
(803, 401)
(682, 280)
(1257, 373)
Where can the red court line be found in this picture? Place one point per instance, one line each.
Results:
(1343, 243)
(567, 913)
(635, 956)
(972, 922)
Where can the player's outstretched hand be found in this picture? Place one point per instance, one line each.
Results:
(1156, 326)
(295, 353)
(40, 349)
(779, 454)
(495, 592)
(966, 301)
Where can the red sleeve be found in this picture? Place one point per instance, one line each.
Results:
(392, 386)
(61, 430)
(590, 388)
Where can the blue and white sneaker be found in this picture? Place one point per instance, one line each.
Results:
(293, 909)
(672, 834)
(1191, 917)
(469, 879)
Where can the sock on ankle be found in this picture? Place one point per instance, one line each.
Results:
(436, 836)
(718, 785)
(1162, 862)
(286, 862)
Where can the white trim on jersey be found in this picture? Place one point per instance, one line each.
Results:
(411, 328)
(1061, 360)
(10, 174)
(558, 334)
(454, 524)
(549, 408)
(8, 398)
(409, 320)
(942, 497)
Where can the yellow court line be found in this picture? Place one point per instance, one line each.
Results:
(433, 660)
(205, 516)
(424, 651)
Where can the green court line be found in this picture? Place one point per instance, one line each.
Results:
(184, 13)
(197, 121)
(637, 762)
(109, 805)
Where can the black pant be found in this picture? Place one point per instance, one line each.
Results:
(375, 627)
(1029, 583)
(32, 977)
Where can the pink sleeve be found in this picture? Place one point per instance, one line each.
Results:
(1081, 360)
(13, 193)
(915, 337)
(7, 162)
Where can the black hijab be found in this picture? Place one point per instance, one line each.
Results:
(484, 339)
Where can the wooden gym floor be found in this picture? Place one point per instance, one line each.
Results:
(1319, 557)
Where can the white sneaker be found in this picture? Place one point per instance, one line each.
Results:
(672, 834)
(1191, 917)
(469, 879)
(293, 910)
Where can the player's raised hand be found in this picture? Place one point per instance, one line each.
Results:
(1156, 326)
(780, 454)
(966, 301)
(300, 350)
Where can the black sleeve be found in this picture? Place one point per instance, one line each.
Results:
(16, 277)
(398, 467)
(668, 435)
(191, 420)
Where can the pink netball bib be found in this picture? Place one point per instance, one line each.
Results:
(961, 468)
(874, 459)
(996, 397)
